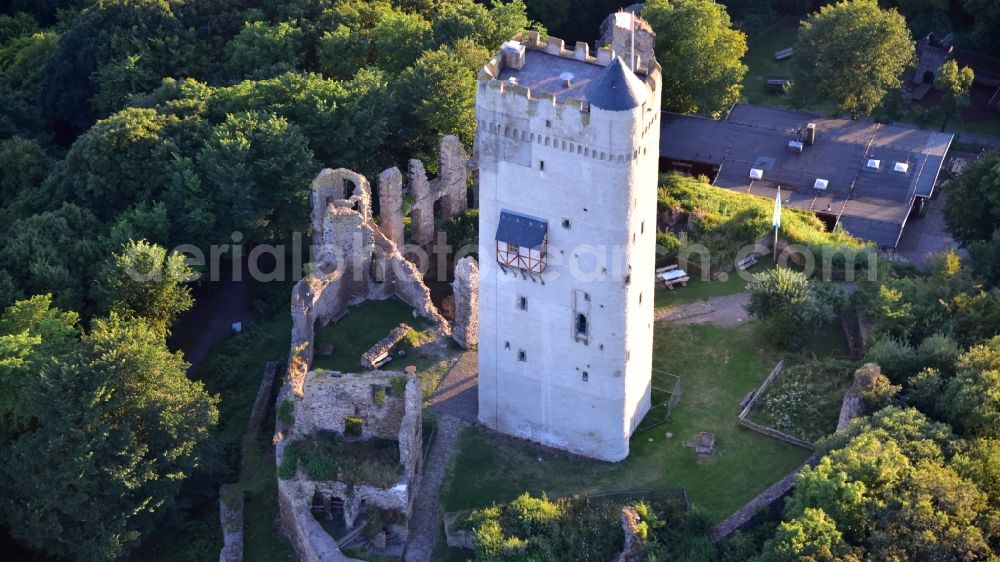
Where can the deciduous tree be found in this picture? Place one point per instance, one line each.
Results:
(954, 84)
(144, 281)
(852, 54)
(700, 53)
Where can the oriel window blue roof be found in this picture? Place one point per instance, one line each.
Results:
(521, 230)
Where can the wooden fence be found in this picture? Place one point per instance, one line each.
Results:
(770, 431)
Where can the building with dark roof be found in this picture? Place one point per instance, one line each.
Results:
(864, 176)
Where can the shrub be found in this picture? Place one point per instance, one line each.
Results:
(353, 426)
(923, 391)
(398, 385)
(791, 307)
(380, 396)
(667, 245)
(875, 388)
(939, 352)
(321, 467)
(286, 412)
(897, 359)
(289, 463)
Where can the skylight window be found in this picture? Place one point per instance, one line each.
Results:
(820, 183)
(901, 167)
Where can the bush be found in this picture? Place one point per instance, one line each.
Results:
(939, 352)
(667, 245)
(923, 391)
(353, 426)
(286, 412)
(792, 308)
(289, 463)
(398, 385)
(897, 359)
(875, 388)
(380, 396)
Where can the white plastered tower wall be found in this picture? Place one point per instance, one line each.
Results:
(591, 174)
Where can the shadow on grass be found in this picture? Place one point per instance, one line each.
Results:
(718, 366)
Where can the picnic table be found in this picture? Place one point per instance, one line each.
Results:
(784, 53)
(672, 275)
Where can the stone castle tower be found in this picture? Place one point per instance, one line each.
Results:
(568, 149)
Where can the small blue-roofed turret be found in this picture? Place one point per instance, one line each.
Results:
(617, 88)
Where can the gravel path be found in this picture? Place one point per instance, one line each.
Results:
(426, 516)
(457, 393)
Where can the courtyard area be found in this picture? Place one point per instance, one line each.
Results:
(718, 366)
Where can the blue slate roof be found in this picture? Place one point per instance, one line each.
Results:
(617, 88)
(521, 230)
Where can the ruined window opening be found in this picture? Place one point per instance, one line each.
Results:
(585, 376)
(548, 123)
(522, 303)
(565, 224)
(541, 165)
(521, 355)
(581, 325)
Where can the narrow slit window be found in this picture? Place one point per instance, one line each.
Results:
(521, 355)
(522, 303)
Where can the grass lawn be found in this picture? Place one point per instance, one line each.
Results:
(699, 290)
(761, 66)
(718, 367)
(363, 327)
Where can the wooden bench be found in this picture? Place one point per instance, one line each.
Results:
(784, 53)
(671, 276)
(746, 262)
(778, 85)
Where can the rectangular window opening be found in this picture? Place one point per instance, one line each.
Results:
(521, 355)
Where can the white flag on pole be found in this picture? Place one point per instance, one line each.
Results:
(776, 217)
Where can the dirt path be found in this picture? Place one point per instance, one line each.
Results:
(727, 310)
(457, 393)
(426, 516)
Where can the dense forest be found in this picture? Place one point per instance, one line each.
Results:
(128, 127)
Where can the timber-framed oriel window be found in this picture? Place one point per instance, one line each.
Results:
(521, 242)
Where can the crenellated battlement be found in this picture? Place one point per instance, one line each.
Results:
(513, 54)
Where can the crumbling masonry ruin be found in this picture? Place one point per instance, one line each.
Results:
(450, 188)
(354, 260)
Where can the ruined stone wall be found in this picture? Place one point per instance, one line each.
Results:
(422, 212)
(453, 180)
(330, 397)
(465, 329)
(310, 541)
(390, 199)
(355, 262)
(331, 186)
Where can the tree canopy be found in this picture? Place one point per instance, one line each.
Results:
(701, 55)
(851, 54)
